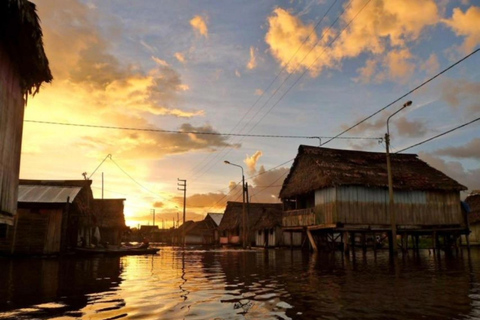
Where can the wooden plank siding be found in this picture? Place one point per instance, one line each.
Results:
(38, 232)
(356, 205)
(11, 126)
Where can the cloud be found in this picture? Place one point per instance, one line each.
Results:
(466, 24)
(199, 25)
(267, 184)
(180, 57)
(252, 63)
(238, 74)
(431, 65)
(383, 29)
(158, 204)
(455, 170)
(258, 92)
(470, 150)
(206, 200)
(455, 91)
(251, 162)
(410, 128)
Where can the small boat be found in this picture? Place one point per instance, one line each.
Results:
(118, 250)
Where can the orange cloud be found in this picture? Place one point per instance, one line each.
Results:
(252, 64)
(466, 24)
(251, 162)
(380, 26)
(180, 57)
(199, 24)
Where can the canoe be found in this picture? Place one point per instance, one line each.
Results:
(117, 251)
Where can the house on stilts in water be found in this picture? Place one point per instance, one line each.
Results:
(110, 219)
(231, 226)
(53, 216)
(340, 197)
(23, 68)
(473, 202)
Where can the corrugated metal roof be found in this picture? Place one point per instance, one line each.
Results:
(46, 194)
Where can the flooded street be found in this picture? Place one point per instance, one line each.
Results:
(237, 284)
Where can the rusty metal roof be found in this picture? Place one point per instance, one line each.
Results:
(46, 194)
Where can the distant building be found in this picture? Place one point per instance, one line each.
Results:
(53, 216)
(23, 68)
(232, 223)
(268, 229)
(343, 191)
(216, 218)
(110, 219)
(473, 201)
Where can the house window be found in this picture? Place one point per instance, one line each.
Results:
(3, 231)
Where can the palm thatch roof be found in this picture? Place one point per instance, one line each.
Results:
(21, 37)
(110, 213)
(232, 218)
(473, 202)
(316, 168)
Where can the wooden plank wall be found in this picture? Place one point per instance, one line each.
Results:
(11, 126)
(38, 232)
(358, 205)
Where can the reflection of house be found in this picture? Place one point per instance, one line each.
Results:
(473, 202)
(110, 219)
(52, 216)
(329, 190)
(23, 68)
(232, 223)
(268, 230)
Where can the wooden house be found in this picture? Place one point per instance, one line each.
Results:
(268, 229)
(52, 217)
(216, 219)
(110, 219)
(473, 201)
(23, 68)
(330, 191)
(232, 223)
(203, 232)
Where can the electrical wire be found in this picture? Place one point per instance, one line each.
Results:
(267, 88)
(439, 135)
(403, 96)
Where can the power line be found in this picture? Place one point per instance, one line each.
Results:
(138, 183)
(190, 132)
(439, 135)
(406, 94)
(200, 164)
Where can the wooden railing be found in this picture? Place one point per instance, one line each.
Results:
(299, 217)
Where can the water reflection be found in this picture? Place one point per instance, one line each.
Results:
(238, 284)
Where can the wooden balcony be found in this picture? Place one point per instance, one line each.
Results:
(299, 218)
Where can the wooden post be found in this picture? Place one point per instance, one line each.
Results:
(364, 243)
(312, 240)
(346, 247)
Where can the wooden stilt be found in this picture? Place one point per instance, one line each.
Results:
(312, 241)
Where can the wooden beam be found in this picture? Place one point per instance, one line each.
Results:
(312, 240)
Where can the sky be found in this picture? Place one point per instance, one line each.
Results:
(200, 74)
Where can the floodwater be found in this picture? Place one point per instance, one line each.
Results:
(238, 284)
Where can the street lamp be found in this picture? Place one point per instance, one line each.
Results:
(391, 207)
(244, 215)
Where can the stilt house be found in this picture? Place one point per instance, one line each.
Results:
(473, 201)
(23, 68)
(333, 191)
(110, 219)
(52, 217)
(232, 223)
(268, 229)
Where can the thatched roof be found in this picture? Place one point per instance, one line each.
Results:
(110, 213)
(232, 218)
(473, 202)
(316, 168)
(21, 37)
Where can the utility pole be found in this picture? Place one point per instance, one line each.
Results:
(182, 186)
(153, 213)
